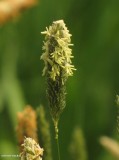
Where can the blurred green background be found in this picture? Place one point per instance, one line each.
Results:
(91, 105)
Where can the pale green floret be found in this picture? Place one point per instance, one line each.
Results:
(31, 150)
(57, 53)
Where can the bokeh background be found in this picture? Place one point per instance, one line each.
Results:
(91, 92)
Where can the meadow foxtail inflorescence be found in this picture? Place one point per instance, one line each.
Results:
(31, 150)
(58, 67)
(44, 132)
(27, 124)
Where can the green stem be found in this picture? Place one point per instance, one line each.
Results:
(57, 139)
(58, 149)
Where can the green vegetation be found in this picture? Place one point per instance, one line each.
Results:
(91, 90)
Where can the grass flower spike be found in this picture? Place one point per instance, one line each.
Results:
(58, 66)
(77, 147)
(57, 55)
(111, 145)
(27, 125)
(31, 150)
(44, 132)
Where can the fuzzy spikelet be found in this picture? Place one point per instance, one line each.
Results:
(44, 133)
(111, 145)
(31, 150)
(77, 146)
(23, 4)
(12, 8)
(58, 66)
(7, 11)
(27, 125)
(57, 55)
